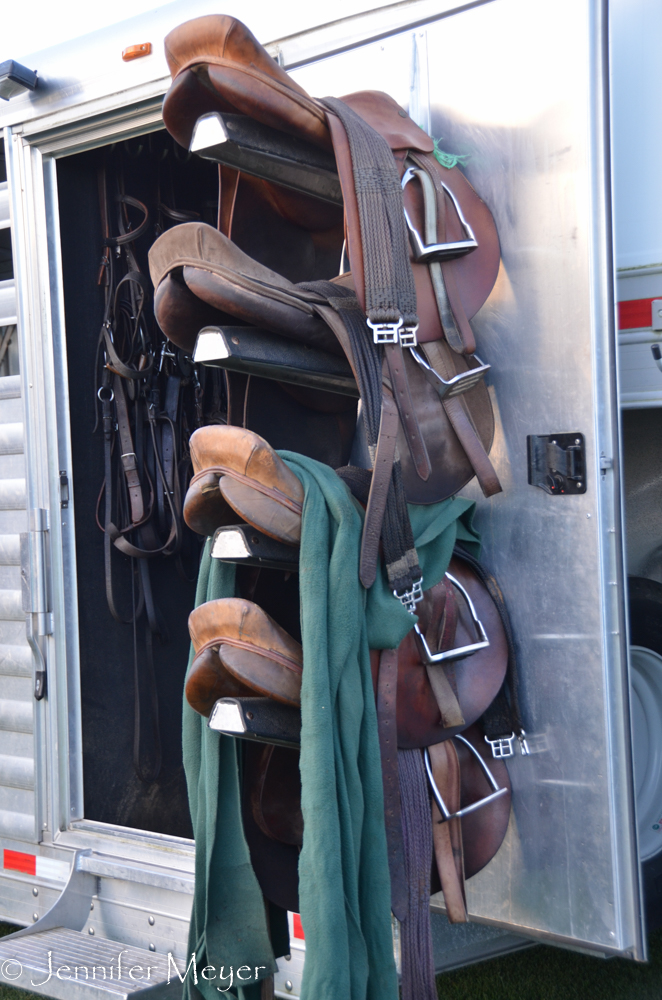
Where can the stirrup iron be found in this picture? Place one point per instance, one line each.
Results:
(460, 652)
(424, 253)
(454, 386)
(443, 809)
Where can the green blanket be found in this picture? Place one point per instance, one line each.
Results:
(344, 891)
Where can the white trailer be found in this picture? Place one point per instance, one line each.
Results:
(525, 94)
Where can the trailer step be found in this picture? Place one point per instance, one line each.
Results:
(71, 965)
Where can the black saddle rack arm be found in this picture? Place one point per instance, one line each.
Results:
(257, 352)
(240, 142)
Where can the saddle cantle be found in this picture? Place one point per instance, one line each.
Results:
(237, 469)
(237, 644)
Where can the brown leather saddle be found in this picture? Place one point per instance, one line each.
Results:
(416, 300)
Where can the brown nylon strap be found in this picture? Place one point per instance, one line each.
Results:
(405, 404)
(268, 491)
(381, 478)
(128, 456)
(387, 686)
(447, 836)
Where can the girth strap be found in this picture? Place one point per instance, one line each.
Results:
(387, 688)
(390, 292)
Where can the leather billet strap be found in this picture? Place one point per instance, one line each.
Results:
(387, 687)
(447, 836)
(405, 404)
(440, 635)
(379, 487)
(455, 324)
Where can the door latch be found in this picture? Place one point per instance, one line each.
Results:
(557, 462)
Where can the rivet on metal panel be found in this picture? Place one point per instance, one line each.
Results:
(35, 891)
(150, 921)
(91, 906)
(91, 931)
(35, 917)
(288, 985)
(288, 958)
(152, 947)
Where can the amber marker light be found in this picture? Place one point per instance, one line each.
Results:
(136, 51)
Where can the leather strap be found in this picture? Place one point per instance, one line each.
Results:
(447, 836)
(454, 321)
(463, 426)
(381, 479)
(228, 183)
(387, 686)
(128, 456)
(440, 635)
(405, 404)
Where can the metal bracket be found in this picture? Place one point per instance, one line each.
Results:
(71, 909)
(557, 463)
(502, 746)
(410, 598)
(35, 593)
(385, 333)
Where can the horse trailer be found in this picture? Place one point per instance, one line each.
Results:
(549, 111)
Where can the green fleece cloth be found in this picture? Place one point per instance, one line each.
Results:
(344, 889)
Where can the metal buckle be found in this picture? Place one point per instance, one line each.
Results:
(410, 598)
(445, 814)
(424, 253)
(461, 651)
(502, 747)
(385, 333)
(456, 385)
(408, 336)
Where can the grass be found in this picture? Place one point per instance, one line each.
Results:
(540, 973)
(545, 973)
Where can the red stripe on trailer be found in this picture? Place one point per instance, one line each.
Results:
(298, 927)
(16, 861)
(635, 313)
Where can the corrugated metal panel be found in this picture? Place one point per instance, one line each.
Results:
(17, 757)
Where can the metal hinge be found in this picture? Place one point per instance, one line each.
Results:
(35, 591)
